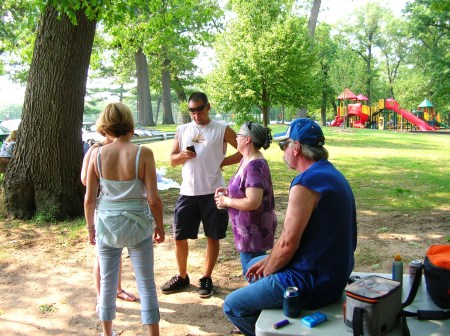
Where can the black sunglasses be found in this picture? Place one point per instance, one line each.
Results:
(249, 125)
(283, 144)
(197, 109)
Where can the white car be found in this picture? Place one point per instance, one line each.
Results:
(91, 137)
(11, 124)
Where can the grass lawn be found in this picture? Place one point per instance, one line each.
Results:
(400, 181)
(387, 170)
(392, 174)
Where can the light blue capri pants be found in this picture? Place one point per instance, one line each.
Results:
(142, 257)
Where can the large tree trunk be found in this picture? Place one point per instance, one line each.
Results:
(323, 108)
(145, 111)
(43, 177)
(158, 108)
(182, 97)
(166, 101)
(312, 22)
(302, 113)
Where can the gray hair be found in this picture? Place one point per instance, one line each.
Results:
(261, 136)
(314, 153)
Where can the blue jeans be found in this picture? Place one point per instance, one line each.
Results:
(246, 257)
(243, 306)
(141, 256)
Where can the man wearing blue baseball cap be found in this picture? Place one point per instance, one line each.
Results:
(315, 251)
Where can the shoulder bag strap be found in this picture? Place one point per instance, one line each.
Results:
(414, 287)
(357, 322)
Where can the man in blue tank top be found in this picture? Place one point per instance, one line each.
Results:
(315, 251)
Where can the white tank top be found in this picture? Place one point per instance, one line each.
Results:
(202, 174)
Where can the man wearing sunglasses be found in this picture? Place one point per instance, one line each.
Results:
(315, 251)
(200, 147)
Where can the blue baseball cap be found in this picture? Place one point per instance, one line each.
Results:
(305, 131)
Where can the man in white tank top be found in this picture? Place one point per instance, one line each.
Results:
(200, 147)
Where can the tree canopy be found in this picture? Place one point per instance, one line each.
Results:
(264, 57)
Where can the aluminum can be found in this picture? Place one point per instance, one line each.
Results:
(414, 267)
(218, 195)
(291, 302)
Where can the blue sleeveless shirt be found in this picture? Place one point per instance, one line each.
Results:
(325, 257)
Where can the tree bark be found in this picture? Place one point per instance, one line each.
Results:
(182, 97)
(167, 105)
(323, 108)
(312, 22)
(179, 90)
(158, 108)
(302, 113)
(43, 177)
(145, 111)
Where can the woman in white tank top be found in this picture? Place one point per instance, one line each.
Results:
(127, 213)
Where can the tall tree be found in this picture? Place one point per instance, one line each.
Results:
(145, 111)
(264, 57)
(312, 22)
(18, 24)
(395, 45)
(326, 50)
(363, 36)
(168, 33)
(166, 95)
(43, 175)
(429, 24)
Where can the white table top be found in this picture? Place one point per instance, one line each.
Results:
(335, 324)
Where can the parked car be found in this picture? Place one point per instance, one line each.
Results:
(4, 133)
(141, 131)
(11, 124)
(91, 137)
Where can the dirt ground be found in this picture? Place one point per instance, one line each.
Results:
(46, 281)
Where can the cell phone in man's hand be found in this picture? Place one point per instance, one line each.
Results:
(191, 148)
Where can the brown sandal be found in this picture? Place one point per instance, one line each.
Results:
(124, 295)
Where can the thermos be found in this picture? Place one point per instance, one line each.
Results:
(397, 269)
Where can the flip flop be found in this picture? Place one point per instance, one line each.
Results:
(123, 295)
(236, 331)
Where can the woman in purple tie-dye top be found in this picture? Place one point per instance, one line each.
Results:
(249, 196)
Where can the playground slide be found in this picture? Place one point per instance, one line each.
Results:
(355, 109)
(338, 120)
(422, 125)
(441, 124)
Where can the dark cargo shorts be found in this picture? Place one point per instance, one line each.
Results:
(191, 210)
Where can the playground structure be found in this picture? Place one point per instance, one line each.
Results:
(353, 111)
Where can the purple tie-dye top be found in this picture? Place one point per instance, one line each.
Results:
(253, 230)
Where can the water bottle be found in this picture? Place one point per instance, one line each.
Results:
(397, 269)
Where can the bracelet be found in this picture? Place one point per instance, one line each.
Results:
(90, 228)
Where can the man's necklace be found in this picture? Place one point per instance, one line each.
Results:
(199, 138)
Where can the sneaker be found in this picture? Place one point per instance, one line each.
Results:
(206, 287)
(175, 284)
